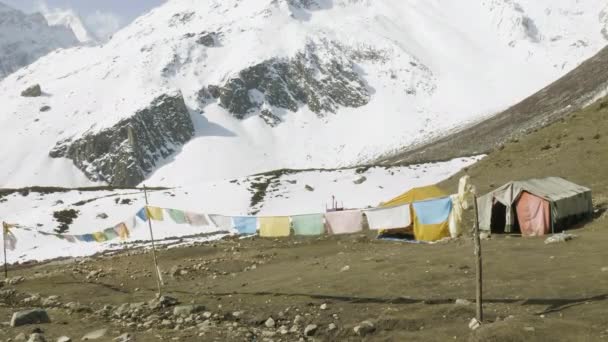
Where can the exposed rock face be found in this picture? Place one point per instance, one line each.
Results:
(33, 91)
(322, 84)
(123, 154)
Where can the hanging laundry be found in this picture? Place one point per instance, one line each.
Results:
(197, 220)
(432, 219)
(308, 225)
(275, 226)
(122, 231)
(177, 216)
(344, 222)
(142, 214)
(389, 218)
(245, 225)
(99, 237)
(110, 234)
(222, 222)
(155, 213)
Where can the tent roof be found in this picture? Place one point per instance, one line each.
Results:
(416, 194)
(550, 188)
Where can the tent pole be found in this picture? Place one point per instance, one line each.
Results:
(478, 263)
(158, 281)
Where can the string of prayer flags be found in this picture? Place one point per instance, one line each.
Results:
(197, 220)
(10, 240)
(142, 214)
(389, 218)
(344, 222)
(278, 226)
(245, 225)
(308, 225)
(155, 213)
(222, 222)
(177, 216)
(122, 231)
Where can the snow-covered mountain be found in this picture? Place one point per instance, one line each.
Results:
(205, 89)
(70, 19)
(26, 37)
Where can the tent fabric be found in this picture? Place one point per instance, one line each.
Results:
(566, 199)
(245, 225)
(434, 211)
(408, 197)
(344, 222)
(308, 225)
(389, 218)
(278, 226)
(431, 232)
(533, 214)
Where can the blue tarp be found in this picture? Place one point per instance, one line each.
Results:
(433, 211)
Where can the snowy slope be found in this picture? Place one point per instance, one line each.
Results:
(285, 195)
(25, 38)
(68, 18)
(270, 84)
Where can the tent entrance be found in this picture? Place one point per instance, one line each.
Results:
(499, 213)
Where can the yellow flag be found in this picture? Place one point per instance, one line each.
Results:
(99, 237)
(155, 213)
(275, 226)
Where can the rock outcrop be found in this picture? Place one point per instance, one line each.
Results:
(125, 153)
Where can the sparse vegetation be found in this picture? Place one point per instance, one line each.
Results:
(65, 218)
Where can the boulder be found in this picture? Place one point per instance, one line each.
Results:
(187, 310)
(64, 339)
(360, 180)
(33, 91)
(310, 330)
(34, 316)
(36, 337)
(364, 328)
(126, 337)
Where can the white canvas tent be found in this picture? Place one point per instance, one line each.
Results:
(552, 200)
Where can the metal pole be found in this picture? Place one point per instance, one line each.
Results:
(4, 227)
(158, 281)
(478, 263)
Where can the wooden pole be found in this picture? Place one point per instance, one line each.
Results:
(4, 227)
(158, 279)
(478, 263)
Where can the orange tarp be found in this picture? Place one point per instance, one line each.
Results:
(534, 215)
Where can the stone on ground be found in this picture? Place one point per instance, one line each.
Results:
(95, 335)
(34, 316)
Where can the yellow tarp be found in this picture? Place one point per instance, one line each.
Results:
(155, 213)
(274, 226)
(421, 232)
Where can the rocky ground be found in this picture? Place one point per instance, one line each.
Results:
(325, 289)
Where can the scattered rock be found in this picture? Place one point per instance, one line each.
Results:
(298, 320)
(95, 335)
(126, 337)
(102, 216)
(33, 91)
(21, 338)
(187, 310)
(309, 188)
(45, 108)
(460, 301)
(331, 327)
(269, 323)
(364, 328)
(474, 324)
(14, 280)
(36, 337)
(310, 330)
(530, 329)
(345, 268)
(360, 180)
(605, 269)
(64, 339)
(323, 306)
(561, 237)
(34, 316)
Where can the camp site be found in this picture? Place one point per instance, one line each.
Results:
(304, 170)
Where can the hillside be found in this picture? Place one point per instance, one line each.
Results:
(577, 89)
(575, 147)
(203, 90)
(26, 37)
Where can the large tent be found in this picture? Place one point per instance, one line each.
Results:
(421, 232)
(534, 207)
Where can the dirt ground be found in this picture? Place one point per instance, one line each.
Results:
(533, 291)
